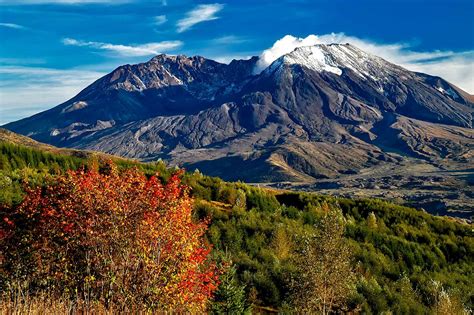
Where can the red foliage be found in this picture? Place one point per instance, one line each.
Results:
(115, 238)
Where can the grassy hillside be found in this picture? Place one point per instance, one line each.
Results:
(401, 256)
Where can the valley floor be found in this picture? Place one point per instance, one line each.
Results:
(438, 189)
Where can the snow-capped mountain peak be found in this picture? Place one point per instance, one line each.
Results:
(335, 58)
(315, 58)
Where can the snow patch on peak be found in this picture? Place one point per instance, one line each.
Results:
(449, 92)
(337, 57)
(314, 58)
(75, 106)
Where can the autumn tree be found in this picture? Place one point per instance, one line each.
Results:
(325, 276)
(281, 244)
(115, 238)
(445, 302)
(240, 200)
(372, 221)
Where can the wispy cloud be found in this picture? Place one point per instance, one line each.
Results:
(13, 25)
(229, 40)
(201, 13)
(21, 61)
(456, 67)
(25, 91)
(127, 50)
(160, 20)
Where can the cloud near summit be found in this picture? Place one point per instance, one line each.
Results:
(456, 67)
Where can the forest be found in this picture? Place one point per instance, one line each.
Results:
(87, 233)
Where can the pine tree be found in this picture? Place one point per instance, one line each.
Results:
(230, 296)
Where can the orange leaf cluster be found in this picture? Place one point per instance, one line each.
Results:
(116, 238)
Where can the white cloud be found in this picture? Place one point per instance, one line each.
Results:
(455, 67)
(202, 13)
(458, 69)
(283, 46)
(160, 20)
(25, 91)
(127, 50)
(12, 25)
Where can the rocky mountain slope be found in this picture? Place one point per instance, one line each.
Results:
(320, 112)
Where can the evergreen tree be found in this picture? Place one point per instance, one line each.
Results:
(230, 296)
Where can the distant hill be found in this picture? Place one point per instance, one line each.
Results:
(14, 138)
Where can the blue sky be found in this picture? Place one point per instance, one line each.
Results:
(51, 49)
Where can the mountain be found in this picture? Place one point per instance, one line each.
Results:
(319, 113)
